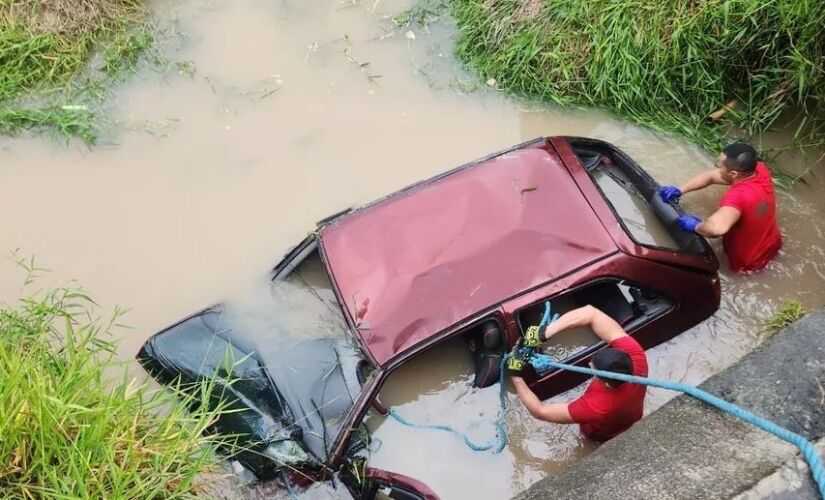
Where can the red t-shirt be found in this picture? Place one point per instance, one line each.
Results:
(754, 240)
(604, 413)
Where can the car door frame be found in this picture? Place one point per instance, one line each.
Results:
(672, 282)
(380, 376)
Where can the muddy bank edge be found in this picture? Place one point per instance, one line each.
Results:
(688, 450)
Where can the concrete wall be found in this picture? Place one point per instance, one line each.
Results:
(688, 450)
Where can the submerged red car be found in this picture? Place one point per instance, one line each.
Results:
(473, 252)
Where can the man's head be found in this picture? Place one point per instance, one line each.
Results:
(737, 161)
(612, 360)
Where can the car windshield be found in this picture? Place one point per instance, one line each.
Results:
(281, 354)
(298, 335)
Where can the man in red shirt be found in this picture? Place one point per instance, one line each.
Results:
(746, 218)
(607, 407)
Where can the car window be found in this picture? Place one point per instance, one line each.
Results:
(632, 195)
(634, 211)
(629, 304)
(208, 354)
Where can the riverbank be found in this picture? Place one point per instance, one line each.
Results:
(58, 58)
(688, 450)
(70, 432)
(666, 65)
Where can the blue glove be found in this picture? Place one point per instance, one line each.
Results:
(688, 222)
(670, 193)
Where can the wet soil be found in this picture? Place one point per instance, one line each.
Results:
(297, 110)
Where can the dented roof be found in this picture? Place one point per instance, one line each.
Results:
(425, 258)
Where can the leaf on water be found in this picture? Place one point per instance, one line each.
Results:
(269, 93)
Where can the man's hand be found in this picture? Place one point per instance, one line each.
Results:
(535, 336)
(670, 193)
(688, 222)
(517, 362)
(515, 366)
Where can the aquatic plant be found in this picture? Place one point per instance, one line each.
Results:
(68, 120)
(789, 312)
(70, 431)
(670, 66)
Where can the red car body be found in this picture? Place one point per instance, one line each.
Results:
(493, 240)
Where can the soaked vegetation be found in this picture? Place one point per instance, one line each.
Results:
(789, 312)
(68, 432)
(54, 55)
(666, 65)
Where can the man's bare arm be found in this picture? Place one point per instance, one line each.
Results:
(602, 325)
(703, 180)
(719, 223)
(556, 413)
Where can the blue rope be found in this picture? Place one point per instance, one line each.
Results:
(500, 424)
(496, 444)
(543, 363)
(290, 490)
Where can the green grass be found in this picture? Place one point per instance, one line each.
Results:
(70, 432)
(52, 51)
(67, 120)
(665, 65)
(789, 312)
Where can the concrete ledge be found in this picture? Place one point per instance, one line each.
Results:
(791, 481)
(688, 450)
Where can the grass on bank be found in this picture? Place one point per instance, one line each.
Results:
(52, 52)
(789, 312)
(68, 432)
(665, 65)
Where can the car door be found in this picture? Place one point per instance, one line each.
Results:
(632, 305)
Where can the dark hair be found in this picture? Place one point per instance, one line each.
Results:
(613, 360)
(740, 157)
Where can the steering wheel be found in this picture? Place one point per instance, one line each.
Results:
(361, 372)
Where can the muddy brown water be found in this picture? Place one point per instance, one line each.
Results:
(214, 176)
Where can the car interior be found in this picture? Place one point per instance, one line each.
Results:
(486, 344)
(630, 305)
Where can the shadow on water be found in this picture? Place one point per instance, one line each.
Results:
(283, 123)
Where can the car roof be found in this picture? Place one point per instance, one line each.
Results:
(418, 261)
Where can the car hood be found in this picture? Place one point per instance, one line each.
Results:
(281, 388)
